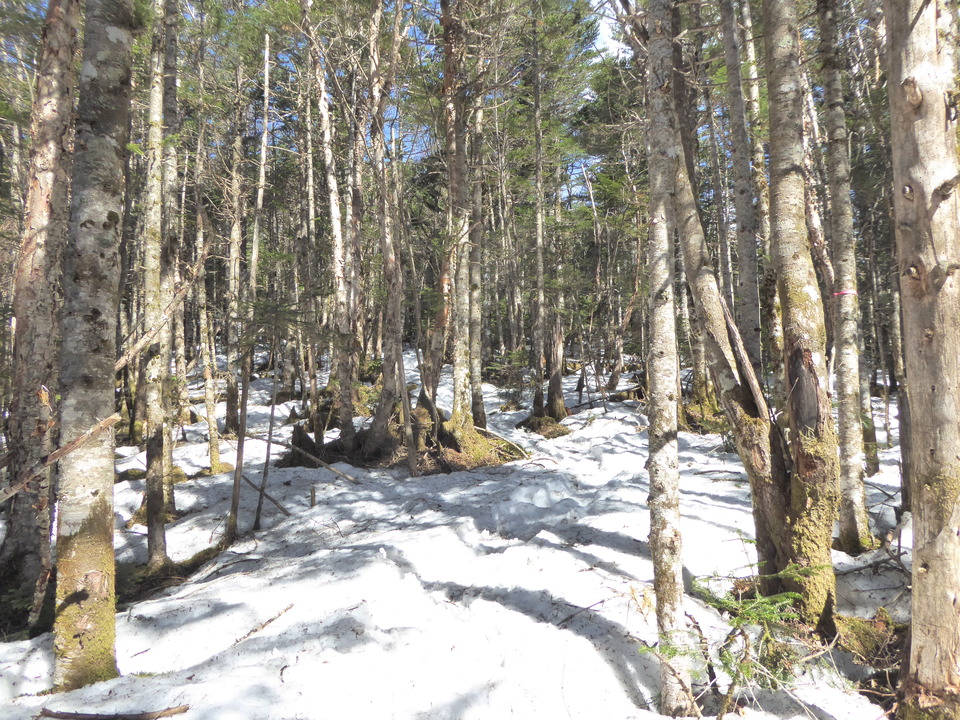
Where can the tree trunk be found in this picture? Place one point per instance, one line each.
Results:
(261, 181)
(155, 365)
(769, 299)
(476, 276)
(923, 114)
(540, 310)
(85, 626)
(813, 441)
(171, 246)
(344, 339)
(208, 356)
(662, 372)
(748, 309)
(455, 150)
(394, 379)
(25, 557)
(235, 247)
(854, 530)
(714, 153)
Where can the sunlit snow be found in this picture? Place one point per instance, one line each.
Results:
(519, 591)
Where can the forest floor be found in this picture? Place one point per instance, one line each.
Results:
(523, 590)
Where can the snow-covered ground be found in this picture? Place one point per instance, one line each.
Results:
(516, 591)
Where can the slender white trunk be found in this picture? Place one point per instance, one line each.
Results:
(854, 531)
(662, 365)
(156, 362)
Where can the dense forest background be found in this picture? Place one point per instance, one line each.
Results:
(522, 189)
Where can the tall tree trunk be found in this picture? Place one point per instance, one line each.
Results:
(854, 530)
(769, 298)
(923, 117)
(748, 309)
(455, 149)
(170, 258)
(813, 441)
(307, 252)
(85, 625)
(208, 356)
(261, 181)
(394, 379)
(476, 275)
(25, 558)
(234, 252)
(155, 365)
(665, 539)
(540, 310)
(344, 340)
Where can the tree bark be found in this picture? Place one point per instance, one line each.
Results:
(854, 530)
(539, 309)
(923, 114)
(234, 250)
(769, 299)
(748, 309)
(813, 442)
(344, 339)
(85, 626)
(25, 557)
(476, 276)
(155, 363)
(662, 372)
(394, 378)
(458, 216)
(208, 356)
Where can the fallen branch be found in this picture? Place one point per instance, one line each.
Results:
(33, 473)
(485, 431)
(261, 626)
(46, 712)
(267, 495)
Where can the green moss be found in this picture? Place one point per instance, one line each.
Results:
(867, 640)
(136, 433)
(221, 467)
(139, 582)
(705, 418)
(177, 475)
(546, 426)
(131, 474)
(365, 399)
(926, 703)
(85, 626)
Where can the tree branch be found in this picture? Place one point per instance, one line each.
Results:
(46, 712)
(33, 473)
